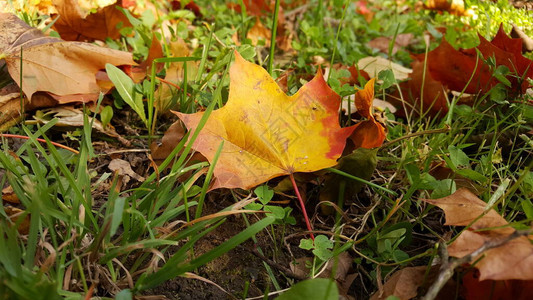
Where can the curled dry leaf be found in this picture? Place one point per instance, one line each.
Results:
(513, 260)
(48, 61)
(370, 133)
(267, 133)
(75, 25)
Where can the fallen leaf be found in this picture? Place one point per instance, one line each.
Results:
(155, 51)
(382, 43)
(405, 284)
(454, 7)
(123, 168)
(267, 133)
(473, 288)
(175, 74)
(176, 5)
(48, 61)
(513, 260)
(369, 133)
(75, 25)
(259, 8)
(527, 42)
(454, 68)
(422, 93)
(14, 215)
(68, 116)
(373, 65)
(9, 195)
(11, 105)
(361, 7)
(402, 284)
(259, 32)
(161, 150)
(253, 7)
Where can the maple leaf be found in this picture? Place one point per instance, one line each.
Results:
(74, 25)
(369, 133)
(453, 68)
(65, 70)
(267, 133)
(422, 91)
(513, 260)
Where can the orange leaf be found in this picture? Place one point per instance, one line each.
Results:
(74, 25)
(259, 32)
(423, 92)
(369, 133)
(267, 133)
(66, 70)
(513, 260)
(453, 68)
(474, 289)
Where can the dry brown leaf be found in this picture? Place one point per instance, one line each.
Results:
(123, 168)
(160, 151)
(48, 61)
(382, 43)
(75, 25)
(15, 214)
(9, 195)
(259, 32)
(406, 283)
(402, 284)
(513, 260)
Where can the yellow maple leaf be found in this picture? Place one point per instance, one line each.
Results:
(267, 133)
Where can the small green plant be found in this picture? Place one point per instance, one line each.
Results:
(386, 243)
(265, 195)
(321, 247)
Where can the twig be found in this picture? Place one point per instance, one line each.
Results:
(448, 268)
